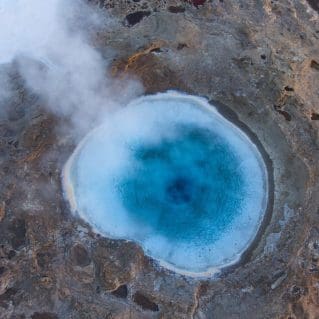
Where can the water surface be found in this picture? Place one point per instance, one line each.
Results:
(170, 173)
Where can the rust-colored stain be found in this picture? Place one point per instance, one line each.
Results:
(2, 210)
(125, 66)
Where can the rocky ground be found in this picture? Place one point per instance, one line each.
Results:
(261, 59)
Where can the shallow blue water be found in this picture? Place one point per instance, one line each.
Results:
(172, 174)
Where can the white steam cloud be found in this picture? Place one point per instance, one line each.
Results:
(49, 43)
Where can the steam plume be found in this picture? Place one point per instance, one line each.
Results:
(49, 43)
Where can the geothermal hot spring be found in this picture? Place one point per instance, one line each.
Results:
(172, 174)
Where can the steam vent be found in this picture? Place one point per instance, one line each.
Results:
(159, 159)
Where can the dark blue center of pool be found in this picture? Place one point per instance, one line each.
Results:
(180, 190)
(189, 186)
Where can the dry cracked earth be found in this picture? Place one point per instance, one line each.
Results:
(259, 61)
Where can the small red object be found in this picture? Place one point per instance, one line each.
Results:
(197, 3)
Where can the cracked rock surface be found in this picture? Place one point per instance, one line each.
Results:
(261, 59)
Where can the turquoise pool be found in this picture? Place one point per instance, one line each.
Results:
(170, 173)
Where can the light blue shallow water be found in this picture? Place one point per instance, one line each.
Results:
(171, 174)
